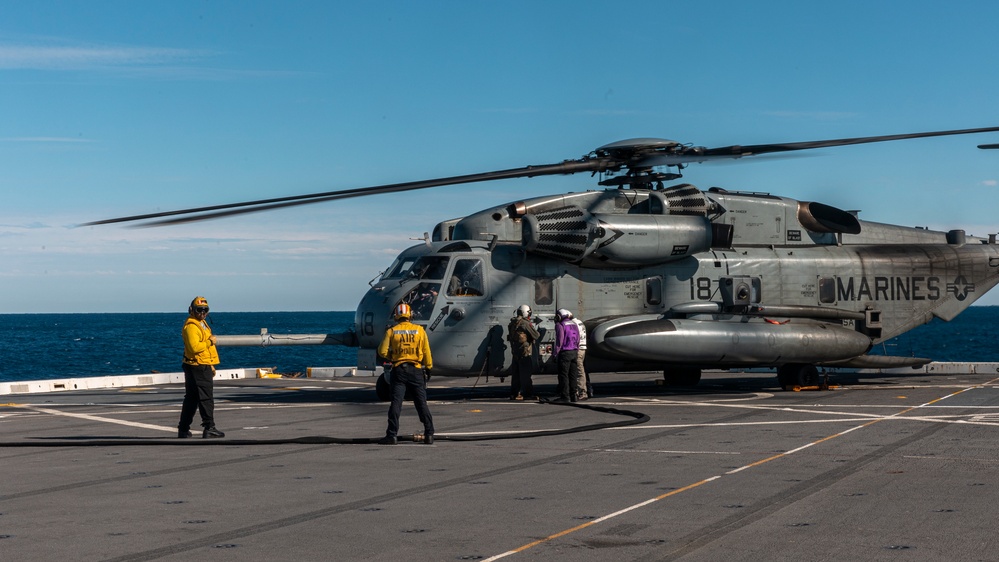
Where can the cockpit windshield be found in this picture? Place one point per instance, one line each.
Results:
(429, 267)
(421, 299)
(426, 267)
(399, 268)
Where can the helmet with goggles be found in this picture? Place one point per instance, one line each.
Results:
(199, 305)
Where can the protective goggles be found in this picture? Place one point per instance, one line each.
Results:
(201, 309)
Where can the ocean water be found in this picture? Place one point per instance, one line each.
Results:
(56, 346)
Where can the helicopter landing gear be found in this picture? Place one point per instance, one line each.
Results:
(797, 374)
(682, 376)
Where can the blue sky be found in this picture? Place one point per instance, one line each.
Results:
(119, 108)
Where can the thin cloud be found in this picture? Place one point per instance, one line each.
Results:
(813, 115)
(43, 139)
(991, 183)
(39, 57)
(164, 63)
(25, 225)
(609, 112)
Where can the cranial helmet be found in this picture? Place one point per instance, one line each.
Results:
(524, 310)
(562, 314)
(403, 311)
(198, 304)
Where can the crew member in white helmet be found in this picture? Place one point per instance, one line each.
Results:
(522, 335)
(565, 350)
(583, 382)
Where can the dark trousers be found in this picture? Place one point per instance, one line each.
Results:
(199, 394)
(520, 377)
(407, 377)
(568, 375)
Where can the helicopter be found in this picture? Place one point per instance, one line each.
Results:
(666, 278)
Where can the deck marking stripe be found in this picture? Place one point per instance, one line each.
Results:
(741, 424)
(97, 418)
(601, 519)
(713, 478)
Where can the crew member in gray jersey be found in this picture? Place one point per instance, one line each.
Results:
(583, 381)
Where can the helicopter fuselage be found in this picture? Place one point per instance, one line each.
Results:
(676, 277)
(663, 277)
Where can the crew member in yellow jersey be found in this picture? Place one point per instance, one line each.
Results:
(405, 345)
(200, 358)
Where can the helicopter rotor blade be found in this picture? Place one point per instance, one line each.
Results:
(694, 154)
(635, 155)
(787, 147)
(231, 209)
(988, 146)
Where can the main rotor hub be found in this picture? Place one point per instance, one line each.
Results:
(640, 180)
(639, 157)
(636, 149)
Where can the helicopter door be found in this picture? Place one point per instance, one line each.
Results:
(470, 342)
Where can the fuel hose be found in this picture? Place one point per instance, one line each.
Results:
(632, 418)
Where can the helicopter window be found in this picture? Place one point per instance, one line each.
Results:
(827, 290)
(654, 291)
(466, 279)
(399, 268)
(544, 291)
(429, 267)
(421, 299)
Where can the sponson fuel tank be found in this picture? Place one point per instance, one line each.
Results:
(733, 342)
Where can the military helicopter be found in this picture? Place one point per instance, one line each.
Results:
(667, 278)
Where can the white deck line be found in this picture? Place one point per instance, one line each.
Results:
(124, 381)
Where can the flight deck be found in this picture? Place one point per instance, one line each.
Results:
(877, 467)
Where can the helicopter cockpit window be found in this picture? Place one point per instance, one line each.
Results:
(399, 268)
(466, 279)
(426, 267)
(421, 299)
(429, 267)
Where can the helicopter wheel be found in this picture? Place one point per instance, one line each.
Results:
(682, 376)
(797, 374)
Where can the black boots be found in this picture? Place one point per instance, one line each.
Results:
(212, 433)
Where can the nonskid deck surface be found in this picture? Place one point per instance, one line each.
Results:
(881, 468)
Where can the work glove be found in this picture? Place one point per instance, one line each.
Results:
(426, 375)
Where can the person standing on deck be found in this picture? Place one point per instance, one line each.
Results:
(200, 358)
